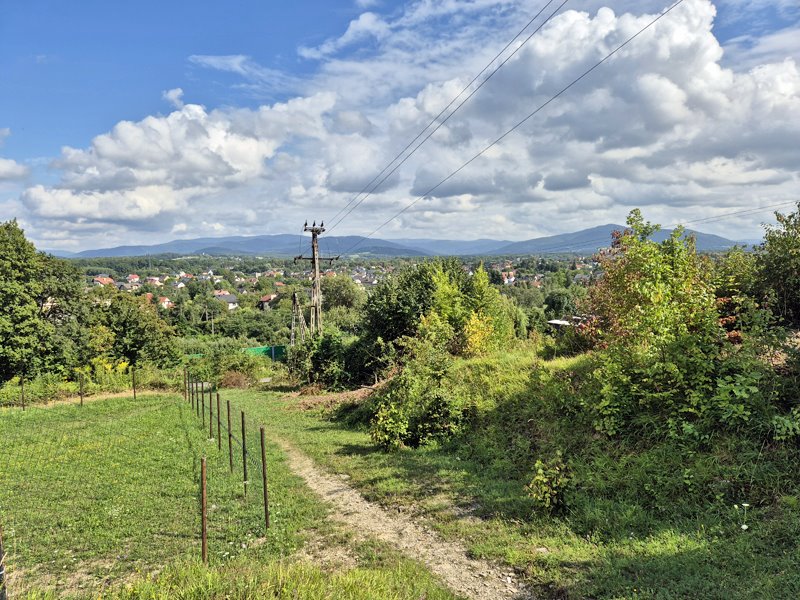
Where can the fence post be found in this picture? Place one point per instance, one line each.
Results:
(22, 390)
(244, 455)
(3, 590)
(81, 387)
(203, 507)
(219, 428)
(191, 390)
(210, 413)
(203, 401)
(264, 477)
(230, 436)
(185, 393)
(133, 380)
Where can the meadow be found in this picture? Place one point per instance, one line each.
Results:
(102, 501)
(641, 520)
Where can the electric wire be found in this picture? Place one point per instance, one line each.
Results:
(519, 124)
(370, 188)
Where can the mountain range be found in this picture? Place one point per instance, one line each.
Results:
(586, 241)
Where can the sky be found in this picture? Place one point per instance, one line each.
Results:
(142, 122)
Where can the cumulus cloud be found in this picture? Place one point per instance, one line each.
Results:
(674, 123)
(11, 170)
(156, 167)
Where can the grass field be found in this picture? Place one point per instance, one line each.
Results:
(610, 546)
(109, 493)
(102, 501)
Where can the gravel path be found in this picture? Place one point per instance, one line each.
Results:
(475, 579)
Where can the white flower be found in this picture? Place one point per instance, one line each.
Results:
(744, 527)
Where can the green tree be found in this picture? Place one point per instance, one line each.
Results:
(778, 262)
(341, 291)
(138, 333)
(559, 303)
(22, 328)
(735, 273)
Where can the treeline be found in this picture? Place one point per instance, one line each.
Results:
(226, 266)
(50, 324)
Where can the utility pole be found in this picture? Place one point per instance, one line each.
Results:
(298, 319)
(316, 288)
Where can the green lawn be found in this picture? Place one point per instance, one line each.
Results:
(106, 497)
(605, 548)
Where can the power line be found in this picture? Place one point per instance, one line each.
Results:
(370, 188)
(522, 122)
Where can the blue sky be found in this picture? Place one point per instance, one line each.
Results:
(265, 113)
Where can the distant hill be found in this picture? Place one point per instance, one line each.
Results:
(281, 245)
(590, 240)
(586, 241)
(455, 247)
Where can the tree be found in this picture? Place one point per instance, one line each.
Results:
(137, 331)
(63, 307)
(559, 303)
(341, 291)
(778, 266)
(22, 328)
(735, 273)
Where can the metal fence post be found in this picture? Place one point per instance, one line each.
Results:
(203, 401)
(219, 428)
(264, 477)
(203, 507)
(230, 436)
(210, 414)
(244, 455)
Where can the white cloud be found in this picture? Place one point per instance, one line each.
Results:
(746, 52)
(258, 79)
(157, 167)
(367, 26)
(11, 170)
(174, 97)
(672, 123)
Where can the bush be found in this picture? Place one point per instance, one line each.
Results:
(669, 361)
(549, 482)
(417, 407)
(234, 379)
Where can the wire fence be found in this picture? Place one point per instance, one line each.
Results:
(91, 493)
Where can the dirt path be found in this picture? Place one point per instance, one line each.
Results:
(476, 579)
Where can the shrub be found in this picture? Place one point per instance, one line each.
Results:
(669, 361)
(549, 483)
(416, 407)
(234, 379)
